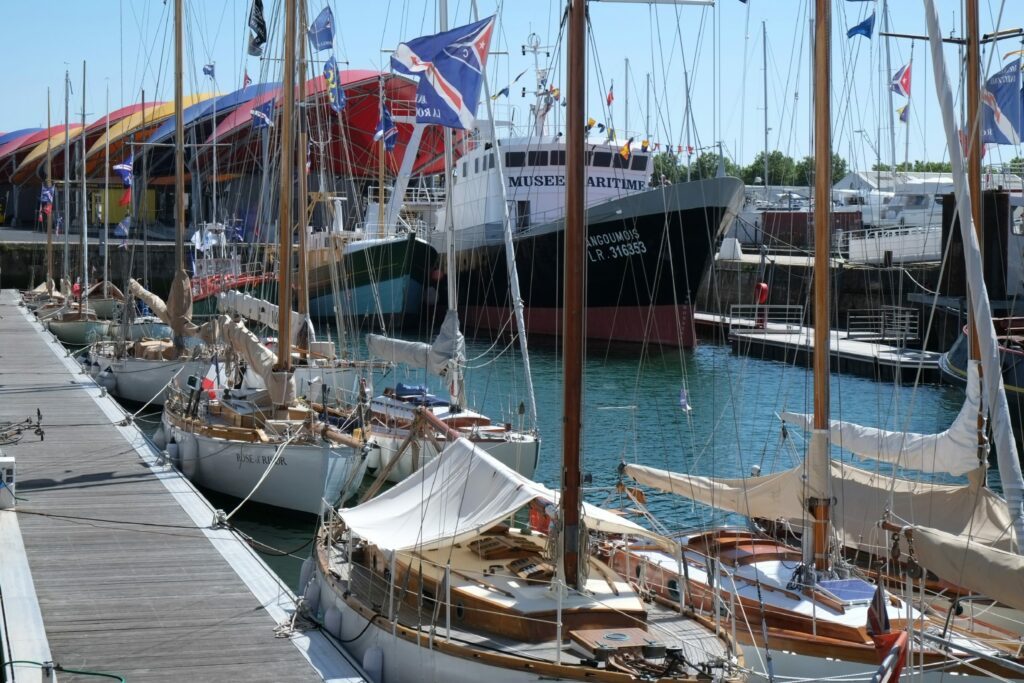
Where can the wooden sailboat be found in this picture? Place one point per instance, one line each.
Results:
(433, 580)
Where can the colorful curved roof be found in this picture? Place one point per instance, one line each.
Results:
(225, 104)
(7, 137)
(11, 152)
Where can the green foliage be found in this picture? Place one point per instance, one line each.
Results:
(917, 167)
(805, 170)
(781, 170)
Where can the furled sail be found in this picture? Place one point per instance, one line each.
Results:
(456, 496)
(261, 360)
(863, 498)
(994, 573)
(179, 307)
(954, 451)
(263, 312)
(449, 348)
(155, 303)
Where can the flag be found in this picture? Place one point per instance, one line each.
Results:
(386, 129)
(1001, 106)
(689, 150)
(556, 93)
(880, 630)
(124, 171)
(864, 28)
(590, 124)
(644, 145)
(46, 195)
(904, 112)
(610, 97)
(214, 379)
(684, 400)
(208, 70)
(501, 93)
(321, 31)
(263, 115)
(900, 83)
(611, 135)
(335, 92)
(122, 229)
(258, 24)
(625, 152)
(450, 67)
(126, 197)
(246, 81)
(600, 128)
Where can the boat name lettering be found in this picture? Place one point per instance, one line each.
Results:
(616, 251)
(604, 238)
(559, 181)
(258, 459)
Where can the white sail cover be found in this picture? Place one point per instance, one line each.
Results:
(863, 497)
(994, 573)
(281, 386)
(450, 345)
(257, 310)
(954, 451)
(458, 495)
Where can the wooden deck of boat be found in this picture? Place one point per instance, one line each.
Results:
(127, 575)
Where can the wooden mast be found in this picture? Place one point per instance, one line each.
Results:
(819, 504)
(85, 212)
(284, 287)
(303, 150)
(574, 299)
(49, 214)
(179, 141)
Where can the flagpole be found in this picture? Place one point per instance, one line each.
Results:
(888, 74)
(906, 130)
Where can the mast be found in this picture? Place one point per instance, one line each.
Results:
(67, 172)
(647, 110)
(574, 299)
(179, 142)
(888, 72)
(764, 64)
(686, 118)
(625, 128)
(85, 211)
(382, 152)
(106, 199)
(973, 98)
(303, 150)
(284, 288)
(906, 130)
(818, 456)
(49, 214)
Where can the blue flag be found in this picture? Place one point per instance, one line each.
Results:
(450, 67)
(263, 115)
(904, 112)
(321, 31)
(864, 28)
(124, 170)
(46, 195)
(1001, 107)
(501, 93)
(208, 70)
(334, 90)
(386, 128)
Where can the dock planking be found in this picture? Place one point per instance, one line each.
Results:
(128, 576)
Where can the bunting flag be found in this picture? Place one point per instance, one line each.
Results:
(625, 152)
(904, 112)
(124, 171)
(644, 145)
(246, 81)
(263, 115)
(126, 197)
(610, 97)
(501, 93)
(590, 124)
(504, 91)
(335, 93)
(122, 229)
(258, 37)
(900, 83)
(450, 68)
(600, 128)
(611, 135)
(865, 28)
(46, 195)
(321, 31)
(689, 150)
(208, 70)
(555, 93)
(1001, 106)
(386, 129)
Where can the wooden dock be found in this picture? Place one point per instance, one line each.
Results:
(849, 353)
(109, 563)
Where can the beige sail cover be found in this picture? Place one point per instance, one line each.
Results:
(862, 499)
(155, 303)
(991, 572)
(179, 304)
(280, 385)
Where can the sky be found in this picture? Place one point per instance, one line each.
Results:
(128, 47)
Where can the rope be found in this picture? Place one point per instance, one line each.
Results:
(266, 473)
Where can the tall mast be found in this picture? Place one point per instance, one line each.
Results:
(106, 198)
(284, 288)
(85, 209)
(382, 153)
(686, 118)
(49, 214)
(303, 191)
(625, 127)
(888, 87)
(179, 141)
(974, 157)
(764, 64)
(818, 454)
(574, 299)
(647, 110)
(67, 172)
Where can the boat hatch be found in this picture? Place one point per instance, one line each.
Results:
(849, 591)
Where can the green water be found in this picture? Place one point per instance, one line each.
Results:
(632, 414)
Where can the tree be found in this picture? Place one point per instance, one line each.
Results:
(706, 166)
(667, 165)
(805, 170)
(781, 170)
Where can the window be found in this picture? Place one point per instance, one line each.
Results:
(522, 215)
(537, 158)
(515, 159)
(639, 162)
(476, 165)
(558, 157)
(602, 159)
(490, 160)
(619, 162)
(465, 169)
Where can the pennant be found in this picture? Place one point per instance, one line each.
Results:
(521, 74)
(208, 70)
(864, 28)
(644, 145)
(610, 97)
(321, 31)
(46, 195)
(126, 197)
(263, 115)
(258, 37)
(124, 171)
(246, 81)
(611, 135)
(450, 67)
(904, 112)
(1001, 106)
(556, 93)
(590, 124)
(123, 228)
(335, 93)
(900, 83)
(501, 93)
(625, 152)
(386, 129)
(600, 127)
(689, 150)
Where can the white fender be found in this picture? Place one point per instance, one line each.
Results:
(312, 596)
(373, 664)
(172, 453)
(160, 438)
(373, 459)
(306, 573)
(332, 621)
(188, 450)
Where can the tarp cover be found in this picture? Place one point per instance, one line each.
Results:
(449, 345)
(954, 451)
(257, 310)
(280, 385)
(994, 573)
(155, 303)
(455, 497)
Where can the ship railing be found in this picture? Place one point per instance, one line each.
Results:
(768, 318)
(413, 195)
(889, 323)
(892, 245)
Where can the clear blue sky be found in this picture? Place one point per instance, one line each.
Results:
(128, 45)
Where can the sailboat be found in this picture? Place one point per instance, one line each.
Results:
(256, 444)
(803, 606)
(435, 580)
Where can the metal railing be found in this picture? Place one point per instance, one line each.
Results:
(779, 318)
(889, 323)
